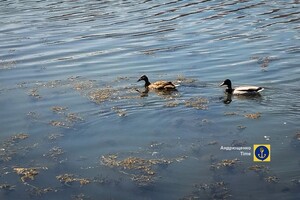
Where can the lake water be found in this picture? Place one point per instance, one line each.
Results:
(75, 123)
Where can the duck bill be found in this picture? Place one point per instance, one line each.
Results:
(139, 80)
(222, 84)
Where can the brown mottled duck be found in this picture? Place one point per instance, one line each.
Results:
(158, 85)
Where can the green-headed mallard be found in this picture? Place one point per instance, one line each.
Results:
(158, 85)
(242, 90)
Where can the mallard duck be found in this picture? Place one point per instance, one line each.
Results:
(242, 90)
(158, 85)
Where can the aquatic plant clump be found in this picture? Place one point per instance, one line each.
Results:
(27, 173)
(225, 164)
(67, 179)
(253, 115)
(198, 103)
(140, 170)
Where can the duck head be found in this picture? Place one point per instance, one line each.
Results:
(227, 82)
(143, 78)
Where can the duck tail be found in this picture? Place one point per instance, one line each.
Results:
(260, 89)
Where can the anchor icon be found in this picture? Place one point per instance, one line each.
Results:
(261, 155)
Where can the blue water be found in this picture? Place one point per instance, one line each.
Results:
(58, 54)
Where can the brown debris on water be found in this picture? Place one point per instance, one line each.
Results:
(100, 95)
(8, 148)
(140, 170)
(83, 85)
(7, 187)
(199, 103)
(217, 190)
(172, 104)
(59, 124)
(34, 93)
(73, 117)
(253, 115)
(27, 173)
(271, 179)
(120, 112)
(226, 163)
(261, 170)
(68, 179)
(55, 136)
(55, 153)
(183, 79)
(58, 109)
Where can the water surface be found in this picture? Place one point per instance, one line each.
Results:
(70, 106)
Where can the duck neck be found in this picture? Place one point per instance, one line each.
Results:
(147, 82)
(229, 88)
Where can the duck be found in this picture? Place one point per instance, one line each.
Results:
(158, 85)
(242, 90)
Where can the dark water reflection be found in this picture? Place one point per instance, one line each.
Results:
(76, 122)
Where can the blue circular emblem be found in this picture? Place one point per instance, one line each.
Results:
(262, 153)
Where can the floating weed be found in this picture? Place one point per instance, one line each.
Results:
(83, 85)
(27, 173)
(271, 179)
(183, 79)
(238, 143)
(230, 113)
(73, 117)
(68, 179)
(259, 169)
(20, 136)
(241, 127)
(100, 95)
(253, 115)
(36, 191)
(217, 190)
(172, 104)
(120, 112)
(8, 149)
(80, 196)
(198, 103)
(34, 93)
(55, 153)
(140, 170)
(55, 136)
(7, 187)
(58, 109)
(229, 164)
(212, 143)
(59, 124)
(295, 141)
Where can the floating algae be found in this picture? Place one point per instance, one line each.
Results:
(58, 109)
(100, 95)
(34, 93)
(198, 103)
(271, 179)
(120, 112)
(55, 153)
(217, 190)
(27, 173)
(172, 104)
(140, 170)
(183, 79)
(59, 124)
(7, 187)
(229, 164)
(68, 179)
(73, 117)
(261, 170)
(8, 148)
(253, 115)
(55, 136)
